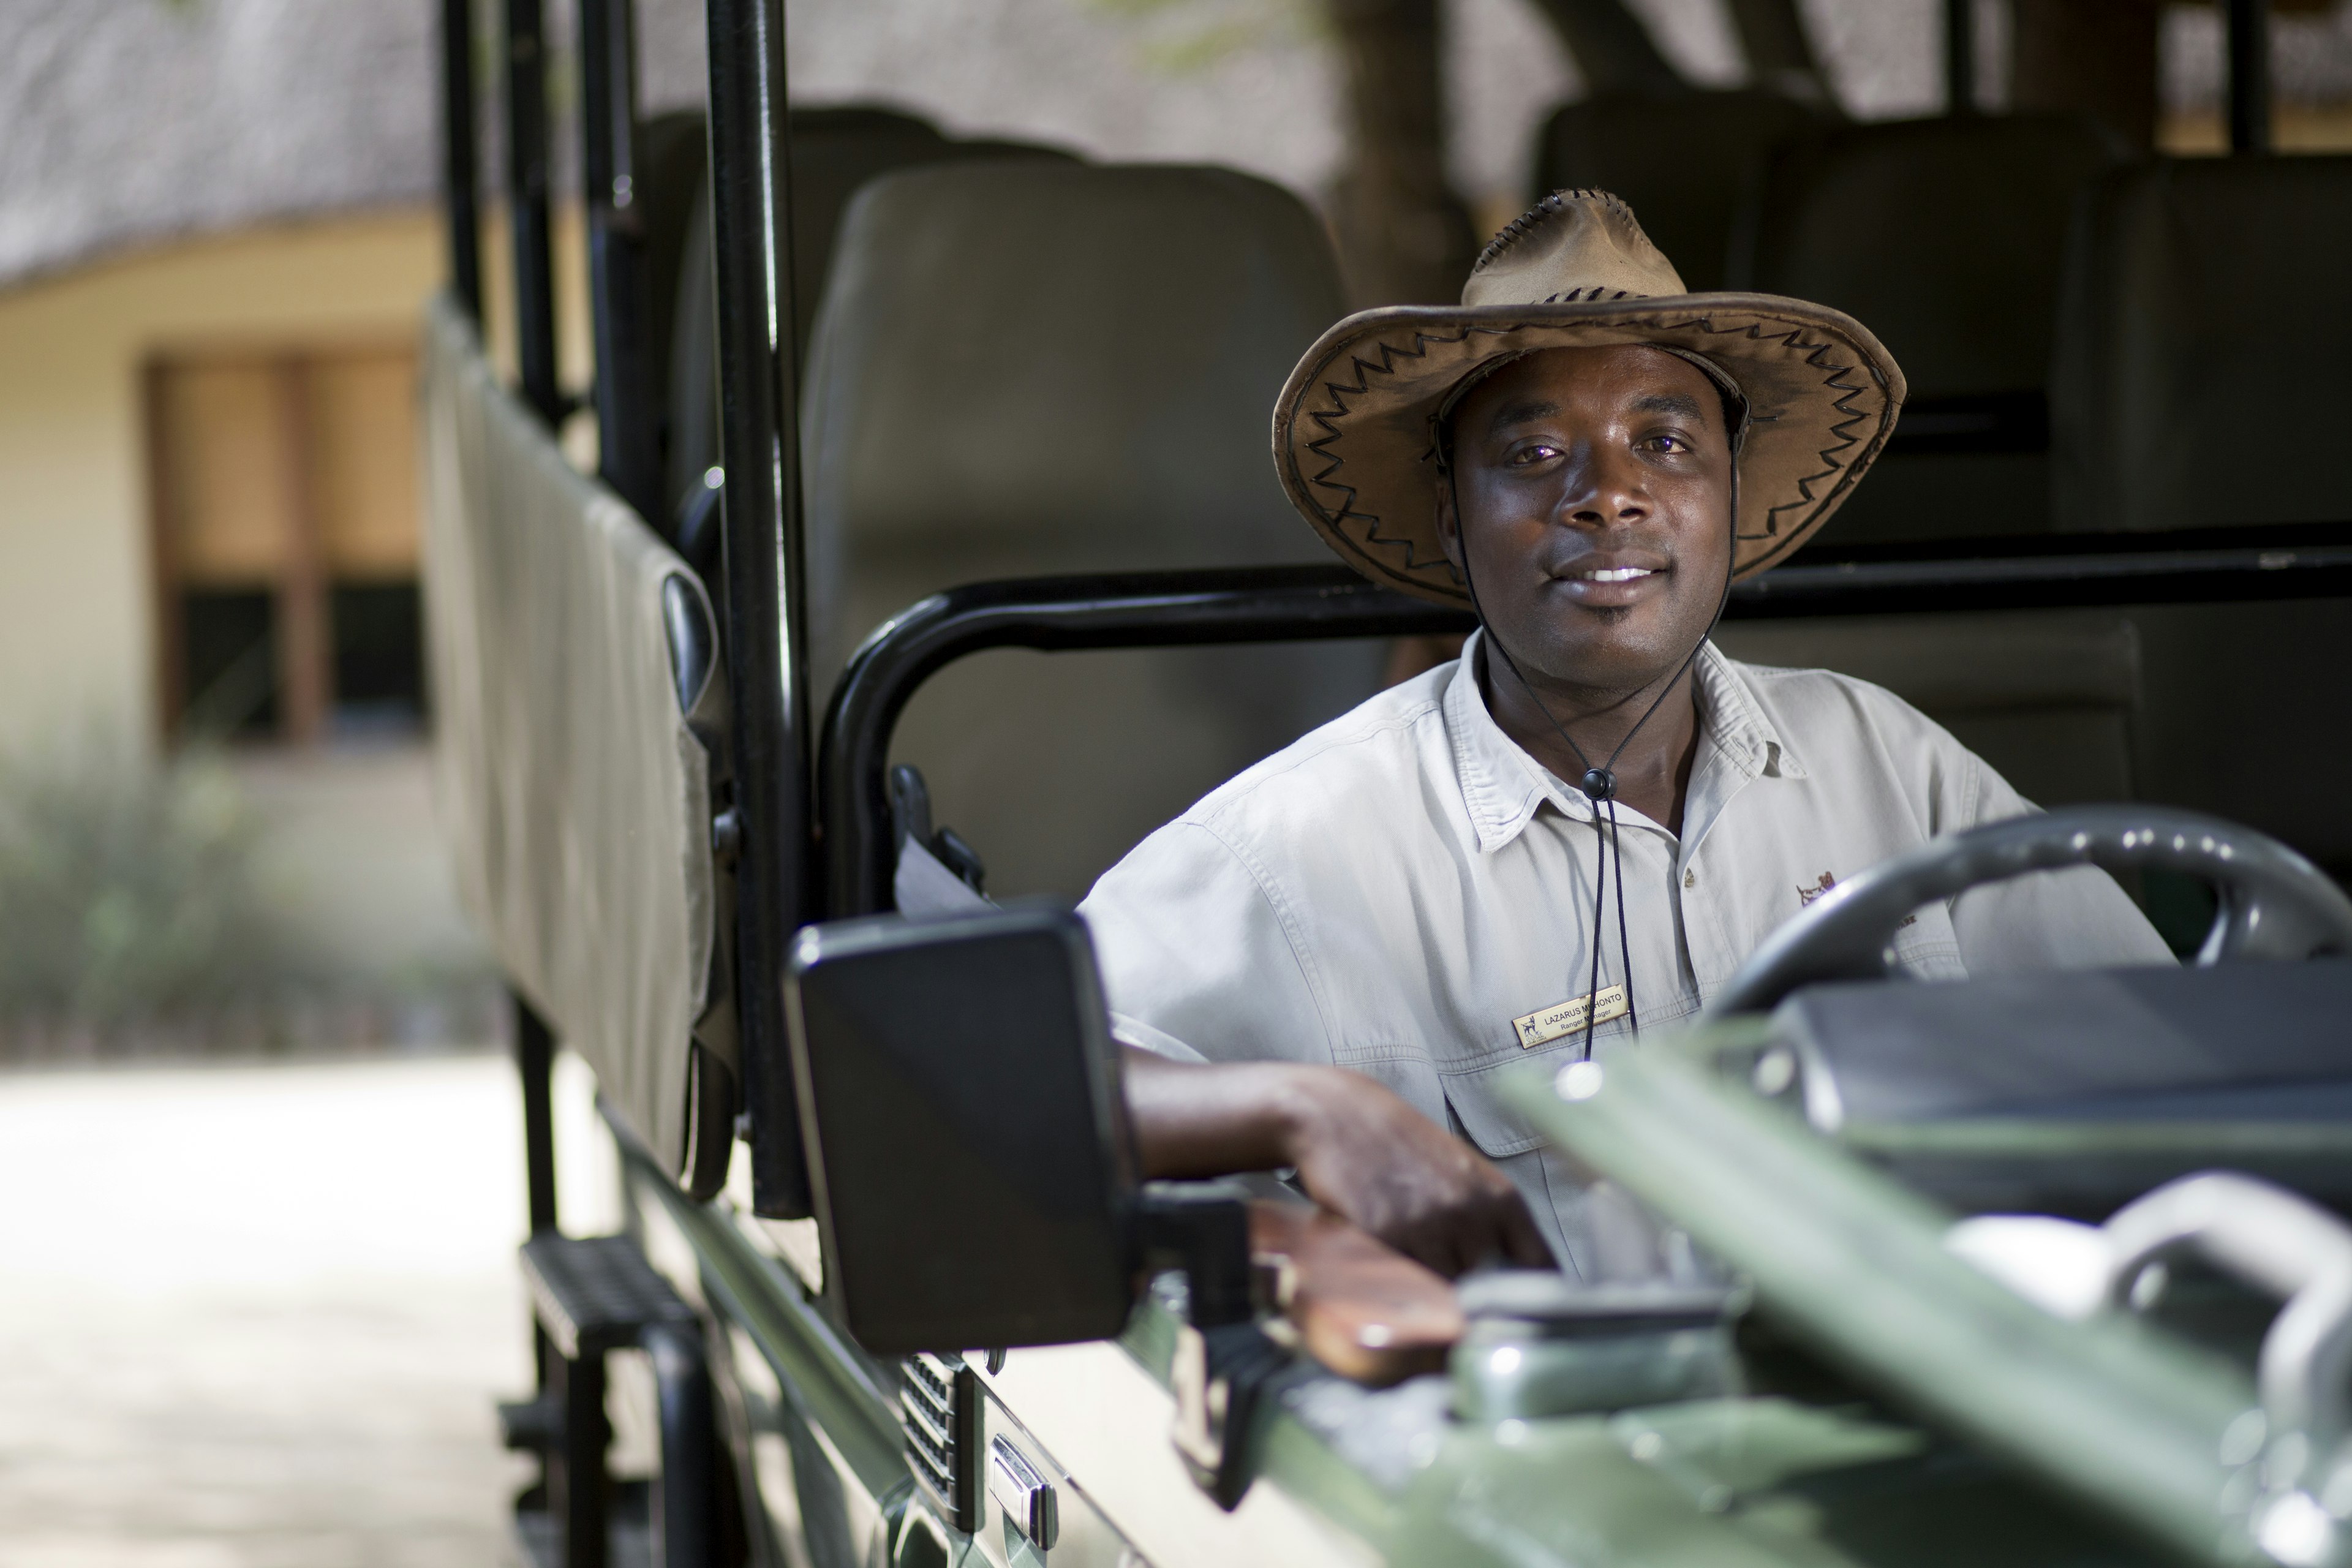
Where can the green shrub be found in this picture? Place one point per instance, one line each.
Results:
(127, 888)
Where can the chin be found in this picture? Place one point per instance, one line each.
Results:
(1616, 652)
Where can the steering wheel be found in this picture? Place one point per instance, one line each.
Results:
(2274, 902)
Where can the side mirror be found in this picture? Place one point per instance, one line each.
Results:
(974, 1172)
(966, 1129)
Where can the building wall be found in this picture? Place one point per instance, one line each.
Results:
(349, 848)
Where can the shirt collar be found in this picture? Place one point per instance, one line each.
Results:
(1503, 787)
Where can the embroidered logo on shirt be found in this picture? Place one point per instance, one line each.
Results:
(1807, 895)
(1546, 1025)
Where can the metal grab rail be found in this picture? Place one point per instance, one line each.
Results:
(2062, 571)
(1144, 609)
(1296, 604)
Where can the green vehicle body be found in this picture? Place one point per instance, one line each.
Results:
(1902, 1407)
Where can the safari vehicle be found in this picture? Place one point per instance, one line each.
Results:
(1977, 1272)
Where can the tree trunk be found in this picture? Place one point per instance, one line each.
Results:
(2092, 57)
(1405, 238)
(1612, 51)
(1780, 52)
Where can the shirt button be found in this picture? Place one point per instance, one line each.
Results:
(1690, 878)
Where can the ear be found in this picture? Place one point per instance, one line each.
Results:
(1449, 522)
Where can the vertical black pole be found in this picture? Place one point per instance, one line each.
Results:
(1959, 57)
(626, 438)
(2250, 76)
(534, 275)
(578, 1493)
(461, 202)
(535, 1066)
(766, 614)
(535, 1061)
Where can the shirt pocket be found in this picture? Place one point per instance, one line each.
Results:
(1926, 947)
(1475, 1097)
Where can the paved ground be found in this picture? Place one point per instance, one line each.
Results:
(256, 1316)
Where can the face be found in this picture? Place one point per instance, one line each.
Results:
(1595, 492)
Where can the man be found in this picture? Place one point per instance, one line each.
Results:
(1581, 829)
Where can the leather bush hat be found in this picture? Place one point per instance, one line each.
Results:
(1356, 430)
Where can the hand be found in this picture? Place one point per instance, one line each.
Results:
(1364, 1152)
(1360, 1151)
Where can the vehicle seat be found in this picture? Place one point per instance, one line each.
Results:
(835, 150)
(2204, 317)
(2204, 300)
(1684, 163)
(2049, 699)
(1945, 238)
(1031, 367)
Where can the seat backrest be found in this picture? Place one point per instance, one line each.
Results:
(2204, 299)
(1029, 367)
(836, 150)
(1684, 163)
(1945, 238)
(2049, 699)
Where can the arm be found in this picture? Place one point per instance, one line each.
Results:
(1360, 1151)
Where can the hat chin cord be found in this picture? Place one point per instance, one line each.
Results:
(1599, 784)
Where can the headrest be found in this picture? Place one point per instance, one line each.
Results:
(1682, 161)
(2204, 297)
(1947, 235)
(1027, 351)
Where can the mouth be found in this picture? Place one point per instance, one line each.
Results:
(1603, 584)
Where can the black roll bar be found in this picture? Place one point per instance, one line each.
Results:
(767, 613)
(1960, 21)
(1167, 609)
(460, 197)
(1142, 609)
(527, 216)
(2249, 55)
(628, 457)
(2062, 571)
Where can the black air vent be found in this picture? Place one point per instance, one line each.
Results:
(938, 1410)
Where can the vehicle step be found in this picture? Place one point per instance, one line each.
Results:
(597, 1293)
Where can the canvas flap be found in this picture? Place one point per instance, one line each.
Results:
(574, 794)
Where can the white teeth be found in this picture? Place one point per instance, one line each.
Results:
(1615, 573)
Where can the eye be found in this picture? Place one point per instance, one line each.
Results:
(1535, 452)
(1664, 443)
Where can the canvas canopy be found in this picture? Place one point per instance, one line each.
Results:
(578, 721)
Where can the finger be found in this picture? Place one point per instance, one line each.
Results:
(1452, 1256)
(1431, 1247)
(1429, 1241)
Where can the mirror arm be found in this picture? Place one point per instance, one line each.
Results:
(1223, 1361)
(1202, 1230)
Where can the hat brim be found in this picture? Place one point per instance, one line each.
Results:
(1353, 436)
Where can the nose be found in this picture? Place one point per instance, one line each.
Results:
(1604, 486)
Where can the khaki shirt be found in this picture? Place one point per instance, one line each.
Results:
(1392, 892)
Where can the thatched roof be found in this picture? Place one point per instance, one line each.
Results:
(126, 122)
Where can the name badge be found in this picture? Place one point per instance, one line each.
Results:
(1549, 1023)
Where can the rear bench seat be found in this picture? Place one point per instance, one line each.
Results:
(1946, 237)
(2200, 382)
(1032, 367)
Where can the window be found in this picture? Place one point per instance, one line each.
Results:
(285, 506)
